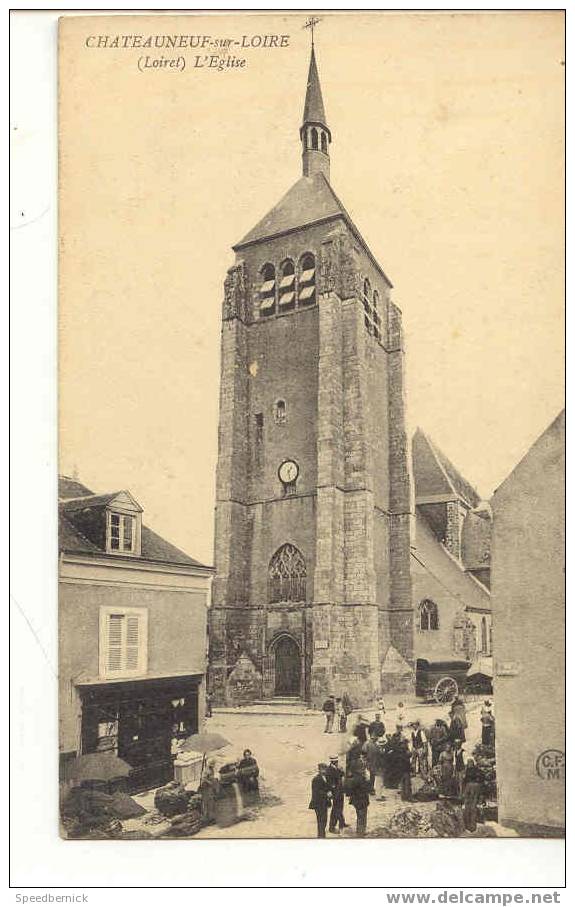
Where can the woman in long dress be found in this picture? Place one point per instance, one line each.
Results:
(487, 724)
(447, 772)
(208, 790)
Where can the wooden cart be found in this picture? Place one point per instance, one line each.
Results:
(440, 681)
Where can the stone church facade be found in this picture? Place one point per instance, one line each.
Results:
(312, 592)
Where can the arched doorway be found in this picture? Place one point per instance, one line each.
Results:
(287, 667)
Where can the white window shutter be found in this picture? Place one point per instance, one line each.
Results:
(114, 640)
(133, 642)
(123, 642)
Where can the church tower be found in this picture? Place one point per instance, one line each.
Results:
(313, 499)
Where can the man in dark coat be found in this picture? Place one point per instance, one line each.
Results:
(372, 755)
(320, 798)
(352, 755)
(360, 730)
(394, 759)
(248, 774)
(358, 792)
(438, 737)
(347, 709)
(377, 727)
(334, 777)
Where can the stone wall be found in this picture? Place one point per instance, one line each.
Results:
(350, 514)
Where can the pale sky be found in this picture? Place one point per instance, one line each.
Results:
(448, 153)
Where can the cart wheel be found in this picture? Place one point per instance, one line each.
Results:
(446, 690)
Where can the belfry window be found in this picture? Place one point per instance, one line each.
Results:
(306, 283)
(287, 286)
(428, 615)
(267, 291)
(367, 310)
(314, 139)
(324, 143)
(287, 575)
(371, 310)
(376, 316)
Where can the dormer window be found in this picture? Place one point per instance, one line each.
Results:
(123, 525)
(121, 532)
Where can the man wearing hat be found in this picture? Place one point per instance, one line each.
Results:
(334, 777)
(320, 798)
(328, 708)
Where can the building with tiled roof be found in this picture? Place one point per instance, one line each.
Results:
(132, 616)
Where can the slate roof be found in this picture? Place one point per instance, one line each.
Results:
(313, 111)
(73, 540)
(430, 555)
(308, 201)
(71, 488)
(435, 474)
(89, 500)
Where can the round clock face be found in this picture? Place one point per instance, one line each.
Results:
(288, 471)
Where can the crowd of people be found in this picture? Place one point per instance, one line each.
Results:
(376, 760)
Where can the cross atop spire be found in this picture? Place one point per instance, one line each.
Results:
(311, 23)
(314, 132)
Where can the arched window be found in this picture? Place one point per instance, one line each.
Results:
(314, 139)
(484, 644)
(371, 310)
(287, 575)
(428, 615)
(287, 286)
(280, 412)
(306, 283)
(268, 290)
(324, 143)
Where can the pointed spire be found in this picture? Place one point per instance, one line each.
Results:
(313, 111)
(314, 132)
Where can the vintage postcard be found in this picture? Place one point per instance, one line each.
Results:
(311, 427)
